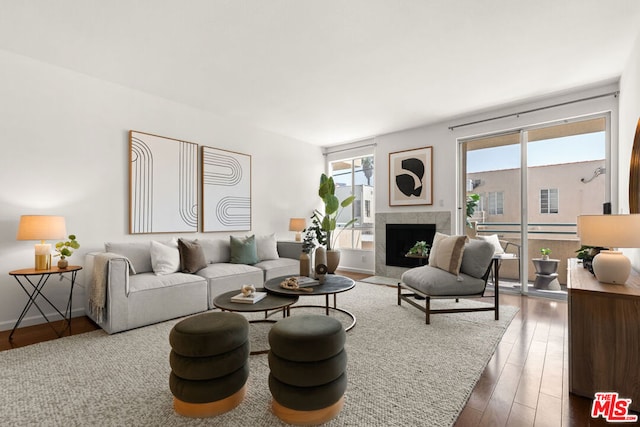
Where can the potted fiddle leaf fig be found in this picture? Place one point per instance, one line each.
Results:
(65, 249)
(328, 219)
(472, 203)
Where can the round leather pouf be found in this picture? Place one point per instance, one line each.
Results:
(205, 391)
(307, 398)
(209, 334)
(210, 367)
(307, 338)
(308, 374)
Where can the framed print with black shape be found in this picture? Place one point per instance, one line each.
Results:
(226, 190)
(411, 177)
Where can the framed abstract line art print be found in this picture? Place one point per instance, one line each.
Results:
(226, 190)
(163, 184)
(411, 177)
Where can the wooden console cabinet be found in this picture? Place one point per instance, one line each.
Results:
(604, 335)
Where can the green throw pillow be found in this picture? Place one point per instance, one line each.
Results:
(244, 251)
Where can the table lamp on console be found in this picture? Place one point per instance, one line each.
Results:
(610, 231)
(42, 227)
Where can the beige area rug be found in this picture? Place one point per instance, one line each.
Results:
(401, 372)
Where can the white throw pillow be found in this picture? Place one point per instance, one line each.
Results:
(267, 247)
(165, 257)
(495, 241)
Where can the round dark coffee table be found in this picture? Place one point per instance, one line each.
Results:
(269, 303)
(333, 285)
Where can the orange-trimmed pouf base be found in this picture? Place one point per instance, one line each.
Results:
(210, 409)
(307, 418)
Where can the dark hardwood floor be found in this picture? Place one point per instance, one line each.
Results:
(524, 384)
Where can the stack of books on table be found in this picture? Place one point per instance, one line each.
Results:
(251, 299)
(304, 281)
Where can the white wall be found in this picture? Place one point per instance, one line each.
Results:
(64, 139)
(446, 194)
(629, 115)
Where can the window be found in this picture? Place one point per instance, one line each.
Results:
(549, 201)
(355, 176)
(495, 200)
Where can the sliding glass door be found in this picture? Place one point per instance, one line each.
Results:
(531, 185)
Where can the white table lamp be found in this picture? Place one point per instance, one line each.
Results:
(610, 231)
(42, 227)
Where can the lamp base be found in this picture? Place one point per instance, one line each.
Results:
(43, 262)
(298, 236)
(611, 267)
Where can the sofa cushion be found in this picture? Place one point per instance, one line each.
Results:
(226, 269)
(147, 281)
(495, 242)
(279, 267)
(215, 250)
(446, 252)
(165, 257)
(192, 256)
(267, 247)
(138, 254)
(244, 250)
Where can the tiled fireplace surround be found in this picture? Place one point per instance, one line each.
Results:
(442, 220)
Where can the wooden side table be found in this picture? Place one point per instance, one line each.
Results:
(37, 279)
(604, 326)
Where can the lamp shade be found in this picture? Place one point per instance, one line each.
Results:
(610, 231)
(297, 224)
(41, 227)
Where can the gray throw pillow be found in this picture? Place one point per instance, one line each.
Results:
(192, 256)
(244, 251)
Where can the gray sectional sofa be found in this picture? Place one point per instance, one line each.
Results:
(136, 296)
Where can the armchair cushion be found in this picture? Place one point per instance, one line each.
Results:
(435, 282)
(471, 280)
(477, 257)
(446, 252)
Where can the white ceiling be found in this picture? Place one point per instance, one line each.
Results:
(331, 71)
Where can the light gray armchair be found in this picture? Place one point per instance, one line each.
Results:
(428, 282)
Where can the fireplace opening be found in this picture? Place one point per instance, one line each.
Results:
(401, 238)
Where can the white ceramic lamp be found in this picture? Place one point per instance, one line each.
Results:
(297, 225)
(610, 231)
(42, 227)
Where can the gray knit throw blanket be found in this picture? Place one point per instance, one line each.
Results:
(98, 291)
